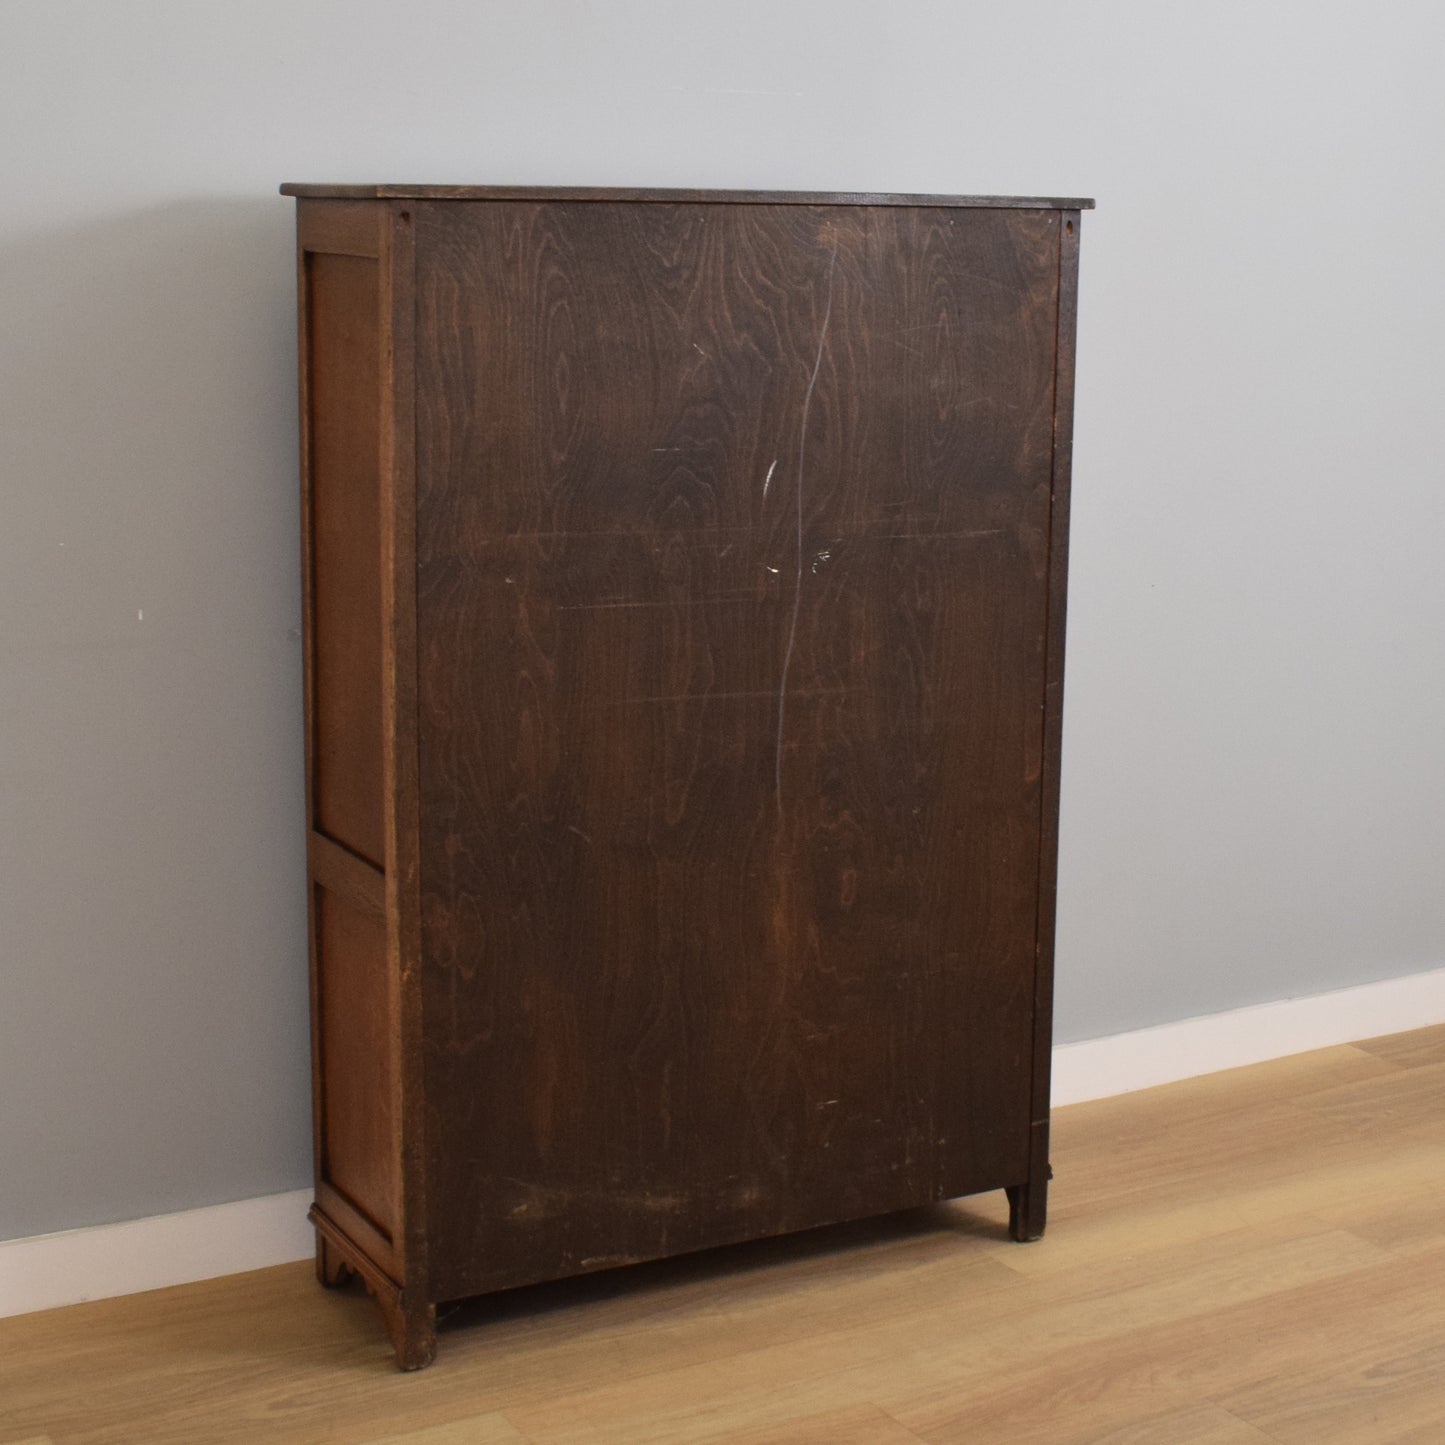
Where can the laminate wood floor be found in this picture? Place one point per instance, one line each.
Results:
(1255, 1255)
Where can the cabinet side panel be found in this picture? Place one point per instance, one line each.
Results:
(358, 1151)
(349, 608)
(346, 558)
(1067, 311)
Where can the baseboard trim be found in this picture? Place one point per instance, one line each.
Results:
(1101, 1068)
(50, 1270)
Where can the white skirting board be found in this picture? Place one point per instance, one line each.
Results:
(49, 1270)
(111, 1259)
(1099, 1068)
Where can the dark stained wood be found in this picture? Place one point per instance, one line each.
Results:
(345, 573)
(1029, 1208)
(719, 555)
(613, 196)
(416, 1319)
(741, 910)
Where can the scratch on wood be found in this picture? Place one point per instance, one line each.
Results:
(930, 536)
(677, 602)
(768, 480)
(603, 534)
(718, 696)
(798, 580)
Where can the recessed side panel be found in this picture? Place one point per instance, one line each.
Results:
(358, 1059)
(349, 597)
(343, 423)
(732, 587)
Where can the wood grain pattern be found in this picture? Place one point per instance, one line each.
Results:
(1198, 1299)
(358, 1155)
(853, 1425)
(416, 1307)
(344, 389)
(1028, 1200)
(733, 531)
(1189, 1425)
(1408, 1049)
(474, 1430)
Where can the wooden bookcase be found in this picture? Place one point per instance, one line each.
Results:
(684, 617)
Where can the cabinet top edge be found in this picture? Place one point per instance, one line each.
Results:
(313, 191)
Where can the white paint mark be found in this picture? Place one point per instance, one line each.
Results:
(820, 559)
(140, 615)
(798, 580)
(773, 570)
(701, 352)
(767, 482)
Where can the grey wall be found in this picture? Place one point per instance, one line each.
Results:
(1254, 787)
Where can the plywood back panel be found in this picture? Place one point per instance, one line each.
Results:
(732, 599)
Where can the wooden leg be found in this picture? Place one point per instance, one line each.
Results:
(410, 1324)
(332, 1271)
(1027, 1209)
(413, 1331)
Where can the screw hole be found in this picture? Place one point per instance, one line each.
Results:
(406, 216)
(1069, 227)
